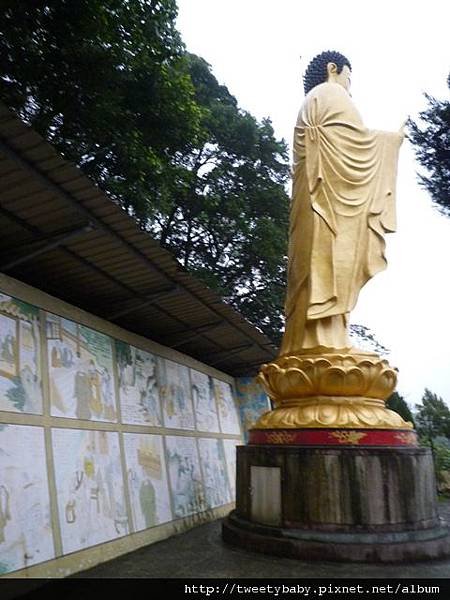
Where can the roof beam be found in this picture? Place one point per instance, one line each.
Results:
(53, 243)
(229, 353)
(198, 332)
(56, 189)
(149, 299)
(146, 299)
(241, 369)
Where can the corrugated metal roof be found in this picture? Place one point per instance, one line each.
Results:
(62, 234)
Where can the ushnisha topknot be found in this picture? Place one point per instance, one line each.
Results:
(316, 72)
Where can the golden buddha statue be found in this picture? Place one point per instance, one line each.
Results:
(343, 204)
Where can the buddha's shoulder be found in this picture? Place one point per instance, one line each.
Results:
(327, 91)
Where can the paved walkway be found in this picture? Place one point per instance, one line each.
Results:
(200, 553)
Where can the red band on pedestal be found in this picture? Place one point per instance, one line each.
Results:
(333, 437)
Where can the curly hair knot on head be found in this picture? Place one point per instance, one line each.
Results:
(316, 73)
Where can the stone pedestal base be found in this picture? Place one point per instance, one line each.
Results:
(349, 504)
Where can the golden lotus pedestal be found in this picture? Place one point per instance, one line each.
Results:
(330, 389)
(332, 474)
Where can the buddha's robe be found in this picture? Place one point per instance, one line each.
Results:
(343, 203)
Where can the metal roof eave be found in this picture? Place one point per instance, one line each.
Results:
(60, 228)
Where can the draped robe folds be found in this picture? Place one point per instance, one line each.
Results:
(343, 202)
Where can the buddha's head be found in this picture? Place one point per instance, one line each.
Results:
(328, 66)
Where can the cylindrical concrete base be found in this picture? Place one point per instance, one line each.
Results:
(353, 504)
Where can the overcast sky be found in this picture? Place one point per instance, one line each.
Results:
(398, 50)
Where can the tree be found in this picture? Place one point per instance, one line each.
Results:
(432, 417)
(110, 84)
(228, 221)
(430, 136)
(398, 404)
(106, 82)
(366, 338)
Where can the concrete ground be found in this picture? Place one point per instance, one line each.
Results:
(200, 553)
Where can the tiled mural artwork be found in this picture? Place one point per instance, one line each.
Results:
(25, 528)
(188, 492)
(89, 485)
(228, 416)
(20, 357)
(81, 373)
(147, 480)
(175, 391)
(252, 400)
(204, 400)
(108, 483)
(215, 476)
(138, 385)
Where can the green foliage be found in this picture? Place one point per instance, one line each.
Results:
(398, 404)
(442, 454)
(106, 82)
(432, 417)
(228, 223)
(110, 85)
(430, 136)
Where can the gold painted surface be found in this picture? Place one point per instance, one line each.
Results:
(348, 437)
(306, 375)
(343, 204)
(334, 412)
(280, 437)
(330, 390)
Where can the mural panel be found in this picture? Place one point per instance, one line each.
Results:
(20, 357)
(25, 525)
(230, 457)
(147, 480)
(214, 471)
(228, 416)
(188, 496)
(175, 392)
(138, 385)
(80, 371)
(252, 400)
(89, 486)
(204, 401)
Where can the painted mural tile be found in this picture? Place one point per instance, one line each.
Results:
(252, 400)
(188, 494)
(147, 480)
(204, 401)
(25, 524)
(81, 373)
(89, 484)
(20, 357)
(175, 393)
(229, 447)
(214, 469)
(138, 385)
(228, 415)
